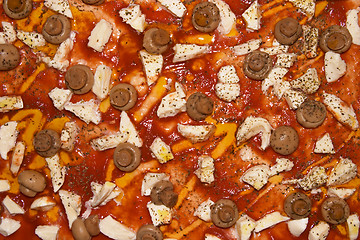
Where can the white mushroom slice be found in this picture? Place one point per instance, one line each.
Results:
(206, 169)
(244, 227)
(8, 135)
(305, 6)
(109, 141)
(227, 17)
(160, 214)
(8, 226)
(310, 35)
(246, 47)
(315, 178)
(342, 173)
(100, 35)
(133, 16)
(161, 150)
(256, 176)
(320, 231)
(127, 127)
(309, 83)
(298, 226)
(152, 64)
(253, 126)
(228, 74)
(353, 226)
(324, 145)
(184, 52)
(282, 165)
(9, 34)
(101, 195)
(57, 172)
(294, 98)
(86, 111)
(8, 103)
(174, 6)
(196, 133)
(343, 193)
(68, 136)
(227, 91)
(335, 67)
(285, 60)
(115, 230)
(352, 24)
(62, 7)
(12, 207)
(17, 157)
(47, 232)
(269, 220)
(4, 185)
(173, 103)
(60, 97)
(252, 16)
(72, 205)
(102, 78)
(32, 39)
(44, 203)
(203, 211)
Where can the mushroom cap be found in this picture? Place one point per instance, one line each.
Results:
(287, 31)
(31, 182)
(149, 232)
(297, 205)
(335, 38)
(123, 96)
(17, 9)
(127, 157)
(79, 231)
(79, 79)
(9, 57)
(257, 65)
(284, 140)
(335, 210)
(156, 40)
(92, 225)
(199, 106)
(311, 114)
(93, 2)
(224, 213)
(47, 143)
(162, 193)
(56, 29)
(205, 17)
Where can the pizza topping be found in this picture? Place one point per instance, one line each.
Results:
(252, 16)
(9, 57)
(127, 127)
(205, 17)
(32, 39)
(324, 145)
(8, 103)
(173, 103)
(149, 232)
(72, 205)
(297, 227)
(161, 150)
(309, 82)
(68, 136)
(47, 232)
(156, 40)
(133, 16)
(275, 80)
(257, 176)
(47, 143)
(109, 141)
(246, 47)
(102, 78)
(196, 133)
(60, 97)
(269, 220)
(227, 17)
(93, 2)
(244, 227)
(199, 106)
(284, 140)
(79, 231)
(294, 97)
(352, 24)
(103, 193)
(57, 172)
(311, 114)
(163, 194)
(224, 213)
(335, 210)
(115, 230)
(8, 226)
(44, 203)
(342, 193)
(150, 180)
(227, 91)
(92, 225)
(287, 31)
(8, 136)
(8, 35)
(123, 96)
(305, 6)
(297, 205)
(257, 65)
(335, 67)
(335, 38)
(282, 164)
(100, 35)
(127, 157)
(310, 35)
(160, 214)
(12, 207)
(184, 52)
(62, 7)
(206, 169)
(4, 185)
(79, 79)
(17, 9)
(353, 224)
(31, 182)
(86, 111)
(342, 173)
(285, 60)
(203, 211)
(56, 29)
(152, 64)
(315, 178)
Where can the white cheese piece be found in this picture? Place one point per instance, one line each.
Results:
(152, 64)
(227, 74)
(127, 127)
(196, 133)
(161, 150)
(353, 226)
(285, 60)
(17, 157)
(256, 176)
(150, 179)
(294, 98)
(12, 207)
(275, 50)
(160, 214)
(343, 193)
(174, 6)
(320, 231)
(227, 91)
(227, 17)
(62, 7)
(32, 39)
(9, 34)
(44, 203)
(203, 211)
(308, 82)
(68, 136)
(244, 227)
(86, 111)
(100, 35)
(247, 47)
(102, 78)
(4, 185)
(115, 230)
(352, 24)
(342, 173)
(173, 103)
(100, 195)
(315, 178)
(297, 227)
(72, 205)
(8, 226)
(60, 97)
(57, 172)
(253, 126)
(252, 16)
(109, 141)
(269, 220)
(282, 164)
(274, 79)
(311, 36)
(341, 111)
(8, 103)
(8, 135)
(281, 87)
(133, 16)
(185, 52)
(324, 145)
(305, 6)
(335, 67)
(47, 232)
(206, 169)
(211, 237)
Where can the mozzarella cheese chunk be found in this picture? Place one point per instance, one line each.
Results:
(100, 35)
(32, 39)
(275, 50)
(297, 227)
(203, 211)
(308, 83)
(227, 74)
(101, 192)
(173, 103)
(227, 91)
(244, 227)
(153, 64)
(109, 141)
(127, 127)
(341, 111)
(174, 6)
(305, 6)
(8, 226)
(227, 17)
(47, 232)
(206, 169)
(115, 230)
(12, 207)
(269, 220)
(68, 136)
(343, 193)
(8, 103)
(150, 179)
(324, 145)
(342, 173)
(315, 178)
(247, 154)
(211, 237)
(247, 47)
(8, 135)
(196, 133)
(353, 226)
(335, 67)
(253, 126)
(88, 111)
(285, 60)
(275, 80)
(294, 98)
(72, 205)
(4, 185)
(311, 36)
(57, 172)
(133, 16)
(161, 150)
(320, 231)
(160, 214)
(44, 203)
(17, 157)
(185, 52)
(256, 176)
(252, 16)
(62, 7)
(352, 24)
(9, 34)
(282, 165)
(60, 97)
(102, 78)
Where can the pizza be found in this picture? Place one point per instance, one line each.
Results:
(176, 119)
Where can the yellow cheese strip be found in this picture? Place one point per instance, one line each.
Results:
(57, 124)
(31, 78)
(37, 163)
(6, 174)
(225, 128)
(185, 231)
(199, 39)
(319, 7)
(341, 229)
(277, 9)
(104, 105)
(185, 191)
(270, 4)
(181, 146)
(109, 170)
(53, 214)
(4, 120)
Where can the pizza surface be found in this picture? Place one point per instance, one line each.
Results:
(215, 100)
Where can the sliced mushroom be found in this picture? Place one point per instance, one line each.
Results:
(149, 232)
(93, 2)
(31, 182)
(335, 38)
(156, 40)
(123, 96)
(205, 17)
(311, 114)
(79, 79)
(127, 157)
(297, 205)
(47, 143)
(17, 9)
(92, 225)
(56, 29)
(199, 106)
(284, 140)
(224, 213)
(257, 65)
(79, 231)
(9, 57)
(335, 210)
(287, 31)
(162, 193)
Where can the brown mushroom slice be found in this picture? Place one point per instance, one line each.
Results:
(335, 210)
(284, 140)
(123, 96)
(47, 143)
(297, 205)
(311, 114)
(127, 157)
(335, 38)
(162, 193)
(9, 57)
(79, 79)
(79, 231)
(287, 31)
(156, 40)
(92, 225)
(17, 9)
(224, 213)
(257, 65)
(31, 182)
(199, 106)
(56, 29)
(205, 17)
(149, 232)
(93, 2)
